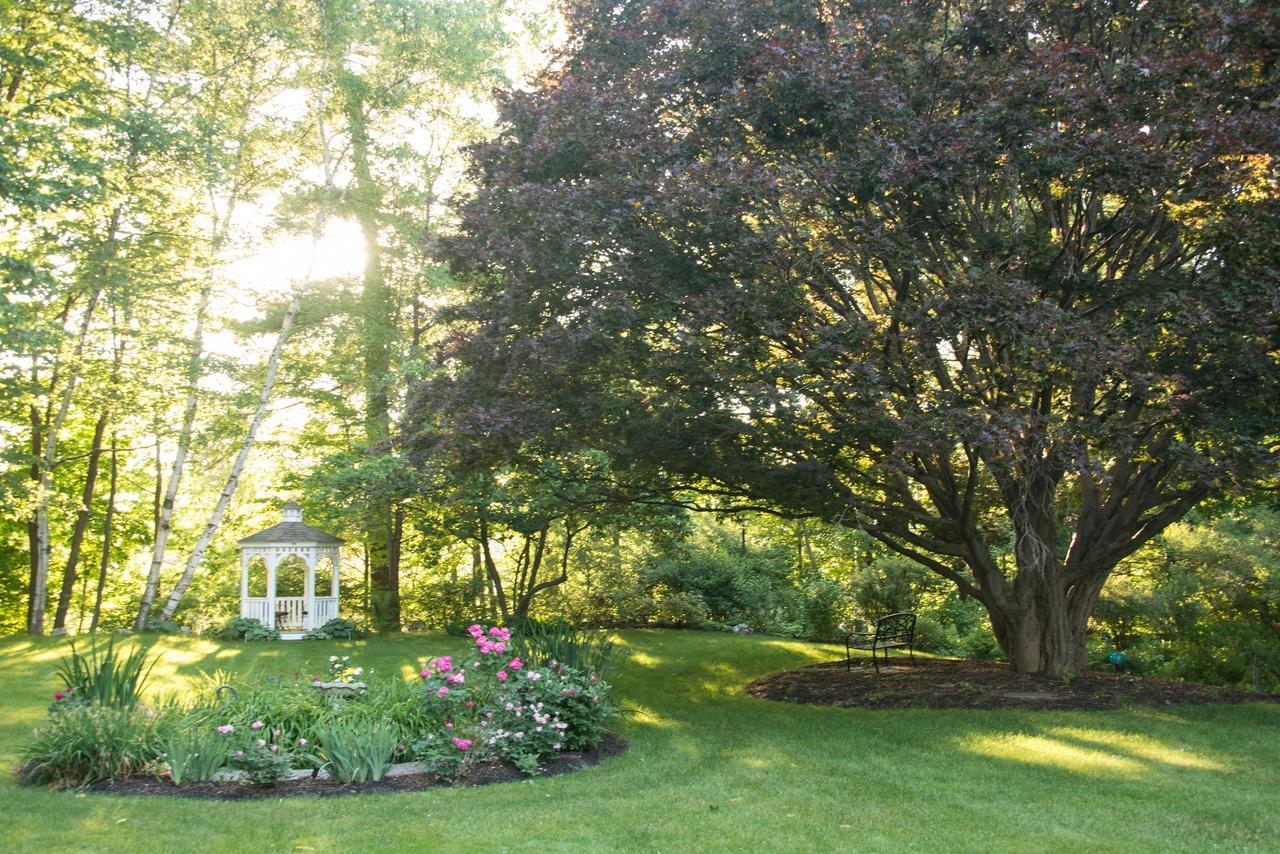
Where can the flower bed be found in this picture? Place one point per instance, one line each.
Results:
(488, 711)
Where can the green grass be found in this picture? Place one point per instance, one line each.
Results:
(712, 769)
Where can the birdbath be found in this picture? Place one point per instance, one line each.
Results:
(339, 689)
(342, 678)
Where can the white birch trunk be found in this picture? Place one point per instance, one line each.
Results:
(179, 463)
(229, 490)
(268, 384)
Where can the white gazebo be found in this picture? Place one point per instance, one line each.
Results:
(290, 615)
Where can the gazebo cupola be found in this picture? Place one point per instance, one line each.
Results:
(290, 538)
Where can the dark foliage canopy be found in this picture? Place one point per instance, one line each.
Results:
(996, 282)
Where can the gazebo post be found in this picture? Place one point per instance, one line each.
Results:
(244, 581)
(333, 573)
(272, 560)
(309, 592)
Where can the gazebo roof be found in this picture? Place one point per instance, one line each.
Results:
(292, 530)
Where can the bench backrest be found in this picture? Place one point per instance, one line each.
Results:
(896, 627)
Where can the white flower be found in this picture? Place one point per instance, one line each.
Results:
(333, 658)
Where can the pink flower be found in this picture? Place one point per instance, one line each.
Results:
(425, 674)
(261, 743)
(456, 678)
(226, 729)
(448, 724)
(475, 631)
(302, 742)
(471, 704)
(57, 695)
(515, 664)
(500, 633)
(273, 748)
(444, 664)
(275, 733)
(443, 690)
(239, 753)
(257, 725)
(462, 743)
(502, 676)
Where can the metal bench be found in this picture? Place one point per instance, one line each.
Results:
(895, 630)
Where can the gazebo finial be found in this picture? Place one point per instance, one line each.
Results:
(292, 512)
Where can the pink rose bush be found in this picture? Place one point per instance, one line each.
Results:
(495, 706)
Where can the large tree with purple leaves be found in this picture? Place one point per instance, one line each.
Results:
(996, 282)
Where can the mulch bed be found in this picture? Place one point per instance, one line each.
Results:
(948, 684)
(481, 775)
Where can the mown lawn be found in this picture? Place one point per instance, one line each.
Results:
(712, 769)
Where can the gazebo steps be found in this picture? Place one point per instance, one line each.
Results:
(291, 635)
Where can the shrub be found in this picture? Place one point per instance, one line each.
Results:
(335, 629)
(159, 626)
(84, 743)
(679, 607)
(263, 756)
(496, 705)
(356, 754)
(562, 695)
(101, 677)
(249, 629)
(820, 605)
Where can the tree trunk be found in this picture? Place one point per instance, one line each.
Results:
(378, 314)
(165, 522)
(491, 570)
(237, 468)
(35, 607)
(1042, 625)
(81, 525)
(38, 529)
(106, 536)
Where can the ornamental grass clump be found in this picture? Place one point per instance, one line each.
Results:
(103, 677)
(195, 757)
(355, 754)
(541, 643)
(85, 743)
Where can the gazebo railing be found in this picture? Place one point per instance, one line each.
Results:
(257, 608)
(290, 611)
(326, 610)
